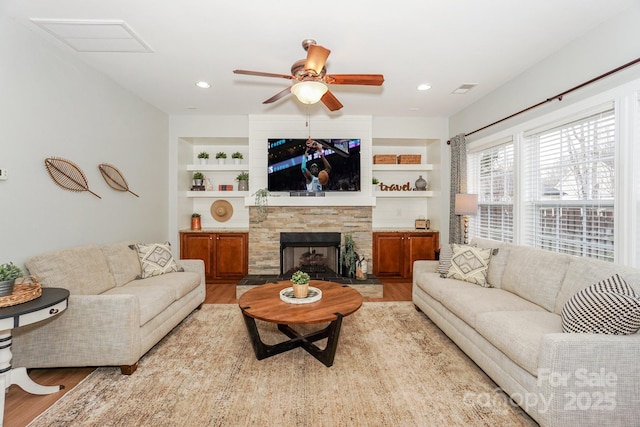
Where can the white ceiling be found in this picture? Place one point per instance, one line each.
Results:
(445, 43)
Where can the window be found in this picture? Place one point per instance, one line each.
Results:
(569, 184)
(491, 177)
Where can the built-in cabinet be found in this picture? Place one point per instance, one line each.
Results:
(225, 254)
(395, 251)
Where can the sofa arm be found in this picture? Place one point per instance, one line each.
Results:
(590, 379)
(193, 265)
(94, 330)
(424, 266)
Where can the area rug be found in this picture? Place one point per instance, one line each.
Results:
(393, 367)
(367, 291)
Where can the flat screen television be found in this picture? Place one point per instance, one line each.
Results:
(285, 164)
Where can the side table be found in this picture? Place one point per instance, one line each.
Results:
(51, 302)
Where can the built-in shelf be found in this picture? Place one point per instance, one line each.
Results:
(402, 194)
(216, 194)
(218, 167)
(315, 201)
(422, 167)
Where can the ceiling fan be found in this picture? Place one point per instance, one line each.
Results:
(310, 75)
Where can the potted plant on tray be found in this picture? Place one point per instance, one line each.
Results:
(9, 272)
(300, 283)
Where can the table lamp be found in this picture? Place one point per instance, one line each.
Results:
(465, 205)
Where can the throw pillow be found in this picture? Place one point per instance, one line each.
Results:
(445, 260)
(470, 264)
(155, 259)
(607, 307)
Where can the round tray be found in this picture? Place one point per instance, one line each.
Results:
(314, 295)
(22, 292)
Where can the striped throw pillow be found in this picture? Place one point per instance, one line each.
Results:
(607, 307)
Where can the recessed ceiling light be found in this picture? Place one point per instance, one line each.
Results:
(203, 85)
(424, 86)
(462, 89)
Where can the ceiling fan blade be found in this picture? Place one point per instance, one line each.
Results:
(278, 95)
(331, 101)
(316, 58)
(262, 74)
(355, 79)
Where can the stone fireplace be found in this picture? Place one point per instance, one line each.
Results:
(264, 234)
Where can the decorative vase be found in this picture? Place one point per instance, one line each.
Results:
(6, 287)
(300, 290)
(243, 185)
(421, 184)
(196, 223)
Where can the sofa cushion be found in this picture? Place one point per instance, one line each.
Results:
(583, 272)
(181, 282)
(470, 264)
(607, 307)
(82, 270)
(518, 334)
(155, 259)
(153, 298)
(535, 274)
(123, 262)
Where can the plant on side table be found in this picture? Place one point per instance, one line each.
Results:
(300, 282)
(9, 272)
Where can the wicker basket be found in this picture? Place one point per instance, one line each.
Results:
(26, 289)
(409, 159)
(384, 159)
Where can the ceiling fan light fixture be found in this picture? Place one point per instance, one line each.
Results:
(309, 92)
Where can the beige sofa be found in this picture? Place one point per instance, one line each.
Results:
(514, 332)
(113, 318)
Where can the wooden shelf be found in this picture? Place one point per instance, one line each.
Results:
(217, 194)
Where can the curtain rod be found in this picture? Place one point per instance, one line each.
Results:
(558, 96)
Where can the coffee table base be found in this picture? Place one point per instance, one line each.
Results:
(326, 356)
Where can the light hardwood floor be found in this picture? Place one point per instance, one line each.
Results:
(22, 407)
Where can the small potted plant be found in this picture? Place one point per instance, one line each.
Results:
(197, 178)
(237, 156)
(9, 272)
(204, 157)
(196, 223)
(375, 183)
(221, 156)
(243, 181)
(300, 282)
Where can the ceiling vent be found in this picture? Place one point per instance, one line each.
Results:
(462, 89)
(94, 35)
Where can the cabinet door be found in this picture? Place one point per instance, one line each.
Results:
(420, 246)
(198, 246)
(388, 254)
(231, 255)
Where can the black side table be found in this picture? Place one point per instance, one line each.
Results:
(51, 302)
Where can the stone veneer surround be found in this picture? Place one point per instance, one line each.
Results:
(264, 236)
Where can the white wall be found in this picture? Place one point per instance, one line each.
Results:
(53, 105)
(606, 47)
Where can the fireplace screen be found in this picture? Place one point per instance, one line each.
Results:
(314, 253)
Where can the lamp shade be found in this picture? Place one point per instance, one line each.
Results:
(466, 204)
(309, 92)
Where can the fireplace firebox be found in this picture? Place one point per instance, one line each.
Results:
(317, 254)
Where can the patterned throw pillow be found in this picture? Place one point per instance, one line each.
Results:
(155, 259)
(470, 264)
(607, 307)
(445, 260)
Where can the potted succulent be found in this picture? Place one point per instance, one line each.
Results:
(237, 156)
(9, 272)
(243, 181)
(300, 283)
(221, 156)
(197, 178)
(203, 156)
(196, 223)
(375, 183)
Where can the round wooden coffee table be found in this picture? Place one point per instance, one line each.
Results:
(264, 303)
